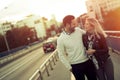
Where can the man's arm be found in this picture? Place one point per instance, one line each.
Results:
(61, 54)
(81, 30)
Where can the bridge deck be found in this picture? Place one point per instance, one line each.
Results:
(61, 73)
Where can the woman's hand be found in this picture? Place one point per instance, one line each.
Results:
(90, 51)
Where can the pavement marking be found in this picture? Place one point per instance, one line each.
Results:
(29, 60)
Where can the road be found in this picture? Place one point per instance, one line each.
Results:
(24, 67)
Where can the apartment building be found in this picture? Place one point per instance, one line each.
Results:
(98, 8)
(5, 27)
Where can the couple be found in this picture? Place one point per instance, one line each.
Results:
(78, 50)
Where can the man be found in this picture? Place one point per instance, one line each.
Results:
(71, 50)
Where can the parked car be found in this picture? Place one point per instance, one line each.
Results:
(49, 45)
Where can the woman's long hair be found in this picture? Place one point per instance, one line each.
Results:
(97, 27)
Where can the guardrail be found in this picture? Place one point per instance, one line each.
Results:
(46, 67)
(11, 57)
(113, 40)
(114, 43)
(113, 33)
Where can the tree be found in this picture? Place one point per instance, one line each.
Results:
(3, 46)
(10, 39)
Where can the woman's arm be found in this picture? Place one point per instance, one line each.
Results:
(103, 47)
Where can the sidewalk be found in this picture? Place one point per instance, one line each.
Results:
(61, 73)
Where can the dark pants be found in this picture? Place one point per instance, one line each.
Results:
(87, 68)
(106, 72)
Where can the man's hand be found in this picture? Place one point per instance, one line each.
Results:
(90, 51)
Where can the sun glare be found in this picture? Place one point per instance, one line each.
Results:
(46, 8)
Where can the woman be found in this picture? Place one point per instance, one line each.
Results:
(97, 49)
(71, 50)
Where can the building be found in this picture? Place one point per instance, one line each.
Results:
(33, 21)
(5, 26)
(98, 8)
(41, 24)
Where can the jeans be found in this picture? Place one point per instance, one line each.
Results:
(106, 72)
(84, 69)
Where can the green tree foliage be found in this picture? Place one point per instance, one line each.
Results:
(18, 37)
(2, 44)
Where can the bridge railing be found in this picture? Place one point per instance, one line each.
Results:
(45, 67)
(113, 33)
(6, 59)
(113, 40)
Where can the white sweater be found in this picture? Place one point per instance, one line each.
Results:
(70, 48)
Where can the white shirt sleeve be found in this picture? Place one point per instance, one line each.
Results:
(61, 54)
(81, 30)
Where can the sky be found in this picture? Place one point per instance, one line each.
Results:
(17, 9)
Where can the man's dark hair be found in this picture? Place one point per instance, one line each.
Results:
(68, 19)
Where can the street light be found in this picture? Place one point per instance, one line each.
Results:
(4, 35)
(5, 39)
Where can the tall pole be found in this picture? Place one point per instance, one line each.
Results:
(5, 39)
(4, 33)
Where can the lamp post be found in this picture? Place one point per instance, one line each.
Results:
(5, 39)
(3, 32)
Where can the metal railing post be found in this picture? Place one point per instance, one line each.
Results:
(56, 56)
(45, 66)
(41, 77)
(47, 70)
(53, 60)
(50, 65)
